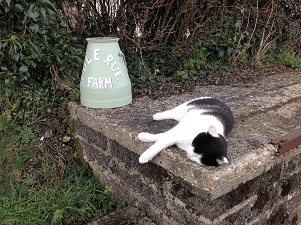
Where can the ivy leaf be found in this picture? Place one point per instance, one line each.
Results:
(35, 48)
(185, 76)
(23, 69)
(221, 54)
(43, 13)
(13, 53)
(47, 1)
(34, 27)
(78, 59)
(8, 2)
(18, 8)
(33, 14)
(229, 51)
(31, 7)
(48, 6)
(50, 9)
(238, 24)
(61, 67)
(4, 68)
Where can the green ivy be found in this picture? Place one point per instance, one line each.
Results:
(34, 44)
(40, 62)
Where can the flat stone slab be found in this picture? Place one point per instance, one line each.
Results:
(263, 111)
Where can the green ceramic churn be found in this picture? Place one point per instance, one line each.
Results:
(105, 82)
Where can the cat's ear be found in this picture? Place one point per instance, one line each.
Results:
(212, 131)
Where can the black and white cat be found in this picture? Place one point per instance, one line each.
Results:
(203, 126)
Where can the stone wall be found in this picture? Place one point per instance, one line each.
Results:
(257, 187)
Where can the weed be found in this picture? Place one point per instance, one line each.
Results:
(288, 59)
(282, 57)
(30, 179)
(99, 170)
(57, 217)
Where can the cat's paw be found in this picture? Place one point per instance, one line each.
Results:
(145, 137)
(144, 158)
(158, 116)
(194, 157)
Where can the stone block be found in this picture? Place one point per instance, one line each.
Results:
(91, 135)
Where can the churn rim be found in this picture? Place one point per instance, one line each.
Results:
(102, 39)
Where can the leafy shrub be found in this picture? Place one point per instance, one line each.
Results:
(34, 44)
(40, 60)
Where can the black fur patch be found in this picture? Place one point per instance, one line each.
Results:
(217, 109)
(211, 148)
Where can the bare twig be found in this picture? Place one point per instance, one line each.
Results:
(234, 57)
(265, 44)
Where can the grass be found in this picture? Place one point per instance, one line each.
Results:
(37, 187)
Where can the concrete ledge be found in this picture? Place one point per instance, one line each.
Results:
(257, 187)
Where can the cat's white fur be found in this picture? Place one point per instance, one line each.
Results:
(191, 123)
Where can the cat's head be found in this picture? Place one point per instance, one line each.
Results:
(209, 147)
